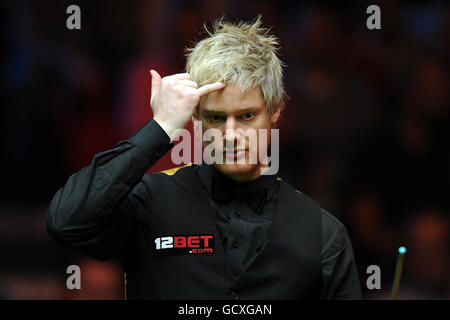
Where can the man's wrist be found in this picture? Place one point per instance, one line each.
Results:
(168, 129)
(152, 140)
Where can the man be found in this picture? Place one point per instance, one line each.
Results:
(218, 231)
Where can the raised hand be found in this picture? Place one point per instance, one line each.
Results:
(174, 99)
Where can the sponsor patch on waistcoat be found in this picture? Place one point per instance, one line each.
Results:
(184, 244)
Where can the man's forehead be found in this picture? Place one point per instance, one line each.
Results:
(231, 98)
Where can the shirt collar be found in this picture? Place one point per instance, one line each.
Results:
(209, 176)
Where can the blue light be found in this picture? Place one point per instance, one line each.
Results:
(402, 250)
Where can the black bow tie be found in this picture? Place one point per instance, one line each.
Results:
(253, 194)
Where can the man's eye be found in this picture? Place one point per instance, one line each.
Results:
(247, 116)
(215, 118)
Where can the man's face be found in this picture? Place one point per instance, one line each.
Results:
(232, 112)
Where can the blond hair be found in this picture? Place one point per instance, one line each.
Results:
(244, 54)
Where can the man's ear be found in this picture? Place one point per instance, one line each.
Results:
(276, 114)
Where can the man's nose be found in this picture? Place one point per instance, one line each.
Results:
(231, 133)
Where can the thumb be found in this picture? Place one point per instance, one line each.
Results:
(156, 81)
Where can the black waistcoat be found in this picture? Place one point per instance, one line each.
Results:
(287, 267)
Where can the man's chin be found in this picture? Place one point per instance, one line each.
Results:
(239, 172)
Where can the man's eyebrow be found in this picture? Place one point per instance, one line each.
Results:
(212, 111)
(246, 109)
(251, 108)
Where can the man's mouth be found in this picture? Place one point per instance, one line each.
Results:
(235, 154)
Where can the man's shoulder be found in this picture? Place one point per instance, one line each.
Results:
(330, 222)
(168, 174)
(331, 225)
(177, 177)
(297, 194)
(175, 170)
(334, 233)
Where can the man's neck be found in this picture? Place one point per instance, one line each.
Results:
(252, 175)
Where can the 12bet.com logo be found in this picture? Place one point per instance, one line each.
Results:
(184, 244)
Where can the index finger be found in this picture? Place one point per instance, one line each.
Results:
(179, 76)
(208, 88)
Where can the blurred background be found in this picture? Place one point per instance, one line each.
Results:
(365, 131)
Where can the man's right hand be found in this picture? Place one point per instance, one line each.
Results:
(174, 99)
